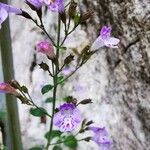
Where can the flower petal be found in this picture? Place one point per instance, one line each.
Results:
(105, 32)
(3, 15)
(111, 42)
(98, 43)
(36, 3)
(10, 9)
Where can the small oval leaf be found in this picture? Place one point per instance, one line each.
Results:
(71, 142)
(37, 112)
(49, 100)
(54, 133)
(46, 88)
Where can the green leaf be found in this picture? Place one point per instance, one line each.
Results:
(49, 100)
(54, 133)
(46, 88)
(71, 142)
(38, 112)
(60, 79)
(57, 148)
(36, 148)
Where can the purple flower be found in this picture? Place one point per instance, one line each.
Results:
(55, 5)
(67, 118)
(8, 89)
(5, 10)
(105, 39)
(101, 138)
(36, 3)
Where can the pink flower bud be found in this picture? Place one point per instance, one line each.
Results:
(8, 89)
(46, 48)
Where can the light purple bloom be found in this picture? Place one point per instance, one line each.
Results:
(105, 39)
(36, 3)
(5, 10)
(67, 118)
(101, 138)
(55, 5)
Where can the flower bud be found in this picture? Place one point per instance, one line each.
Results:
(86, 16)
(85, 101)
(63, 17)
(68, 59)
(14, 84)
(24, 100)
(44, 66)
(8, 89)
(72, 9)
(46, 48)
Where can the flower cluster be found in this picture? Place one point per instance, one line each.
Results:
(67, 118)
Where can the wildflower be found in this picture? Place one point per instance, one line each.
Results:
(36, 3)
(101, 138)
(5, 10)
(46, 48)
(105, 39)
(8, 89)
(67, 118)
(55, 5)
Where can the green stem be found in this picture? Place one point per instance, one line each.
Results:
(68, 33)
(44, 30)
(55, 70)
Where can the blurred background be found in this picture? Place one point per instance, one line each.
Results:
(117, 80)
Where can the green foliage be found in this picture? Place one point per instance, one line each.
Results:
(2, 114)
(49, 100)
(37, 112)
(36, 148)
(54, 133)
(71, 142)
(57, 148)
(60, 80)
(46, 88)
